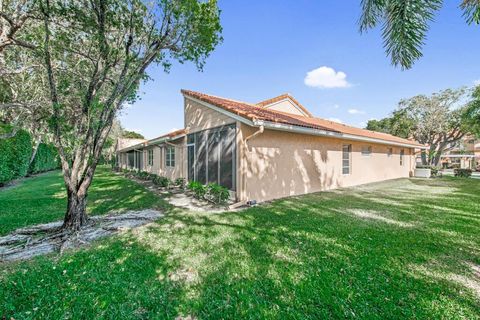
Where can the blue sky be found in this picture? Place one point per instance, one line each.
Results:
(270, 46)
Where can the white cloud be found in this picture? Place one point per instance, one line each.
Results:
(476, 82)
(355, 111)
(326, 77)
(336, 106)
(335, 120)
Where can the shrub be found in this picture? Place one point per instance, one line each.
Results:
(217, 194)
(15, 156)
(45, 159)
(161, 181)
(180, 182)
(143, 175)
(464, 173)
(198, 189)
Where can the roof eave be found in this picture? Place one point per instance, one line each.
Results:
(298, 129)
(331, 134)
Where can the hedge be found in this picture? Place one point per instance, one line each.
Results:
(46, 159)
(15, 156)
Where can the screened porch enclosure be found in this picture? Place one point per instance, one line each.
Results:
(135, 159)
(211, 156)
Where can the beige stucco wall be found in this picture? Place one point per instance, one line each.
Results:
(159, 166)
(157, 154)
(198, 117)
(285, 106)
(279, 164)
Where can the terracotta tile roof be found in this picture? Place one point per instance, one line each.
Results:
(172, 134)
(254, 112)
(282, 97)
(145, 143)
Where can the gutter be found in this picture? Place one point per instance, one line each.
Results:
(299, 129)
(151, 142)
(331, 134)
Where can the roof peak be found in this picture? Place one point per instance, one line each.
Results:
(271, 101)
(252, 112)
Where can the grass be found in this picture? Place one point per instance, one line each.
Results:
(43, 198)
(398, 249)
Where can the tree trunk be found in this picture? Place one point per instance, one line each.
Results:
(76, 215)
(436, 159)
(34, 152)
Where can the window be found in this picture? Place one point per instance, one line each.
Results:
(390, 152)
(402, 152)
(170, 156)
(366, 151)
(150, 157)
(346, 158)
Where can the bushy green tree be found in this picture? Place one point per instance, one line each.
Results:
(15, 155)
(472, 113)
(437, 121)
(93, 56)
(399, 124)
(132, 135)
(45, 159)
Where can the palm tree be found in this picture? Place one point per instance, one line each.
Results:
(405, 24)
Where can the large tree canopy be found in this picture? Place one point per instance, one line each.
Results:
(471, 116)
(437, 120)
(87, 59)
(405, 24)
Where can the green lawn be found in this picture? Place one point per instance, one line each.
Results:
(393, 250)
(44, 199)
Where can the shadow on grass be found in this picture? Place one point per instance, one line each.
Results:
(116, 279)
(306, 257)
(43, 199)
(303, 258)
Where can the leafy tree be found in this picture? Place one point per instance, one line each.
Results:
(399, 124)
(132, 135)
(405, 24)
(438, 121)
(92, 57)
(14, 16)
(471, 116)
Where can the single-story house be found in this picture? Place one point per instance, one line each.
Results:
(272, 149)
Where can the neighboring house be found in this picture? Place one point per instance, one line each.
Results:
(269, 150)
(464, 154)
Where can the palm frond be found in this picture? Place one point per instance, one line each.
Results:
(372, 13)
(405, 28)
(471, 11)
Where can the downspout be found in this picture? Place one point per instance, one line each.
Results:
(260, 130)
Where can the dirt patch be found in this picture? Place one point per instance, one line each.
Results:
(372, 215)
(41, 239)
(181, 198)
(186, 201)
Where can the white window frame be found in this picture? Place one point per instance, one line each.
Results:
(150, 157)
(348, 147)
(402, 155)
(170, 156)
